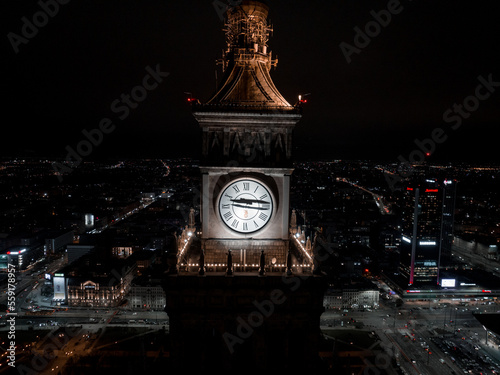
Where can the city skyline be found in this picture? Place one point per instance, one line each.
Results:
(265, 186)
(370, 96)
(134, 213)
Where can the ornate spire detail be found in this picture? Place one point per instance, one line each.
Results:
(247, 120)
(246, 60)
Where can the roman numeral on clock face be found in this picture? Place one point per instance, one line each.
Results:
(263, 216)
(235, 223)
(246, 186)
(228, 216)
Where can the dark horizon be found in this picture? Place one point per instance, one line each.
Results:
(395, 89)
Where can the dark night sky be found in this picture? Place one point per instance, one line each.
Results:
(397, 89)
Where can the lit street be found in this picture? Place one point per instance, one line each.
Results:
(415, 330)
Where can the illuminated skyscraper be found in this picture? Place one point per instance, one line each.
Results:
(449, 195)
(427, 230)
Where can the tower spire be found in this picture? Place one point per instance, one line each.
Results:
(246, 60)
(247, 30)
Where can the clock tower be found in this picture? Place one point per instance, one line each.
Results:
(235, 300)
(246, 148)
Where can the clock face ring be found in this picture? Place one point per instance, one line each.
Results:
(245, 205)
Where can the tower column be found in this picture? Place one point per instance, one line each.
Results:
(246, 168)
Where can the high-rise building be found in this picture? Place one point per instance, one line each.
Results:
(427, 229)
(449, 195)
(235, 300)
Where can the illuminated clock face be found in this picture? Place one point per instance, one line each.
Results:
(245, 206)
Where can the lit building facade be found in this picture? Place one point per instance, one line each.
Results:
(19, 256)
(144, 296)
(95, 291)
(102, 293)
(427, 229)
(122, 251)
(353, 298)
(4, 263)
(447, 234)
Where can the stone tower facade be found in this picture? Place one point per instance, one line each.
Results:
(247, 136)
(236, 300)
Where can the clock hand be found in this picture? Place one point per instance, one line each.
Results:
(249, 201)
(254, 208)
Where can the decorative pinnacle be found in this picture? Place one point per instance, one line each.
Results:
(247, 33)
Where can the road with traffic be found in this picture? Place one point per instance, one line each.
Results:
(417, 332)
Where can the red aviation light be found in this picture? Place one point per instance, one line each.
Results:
(431, 190)
(302, 99)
